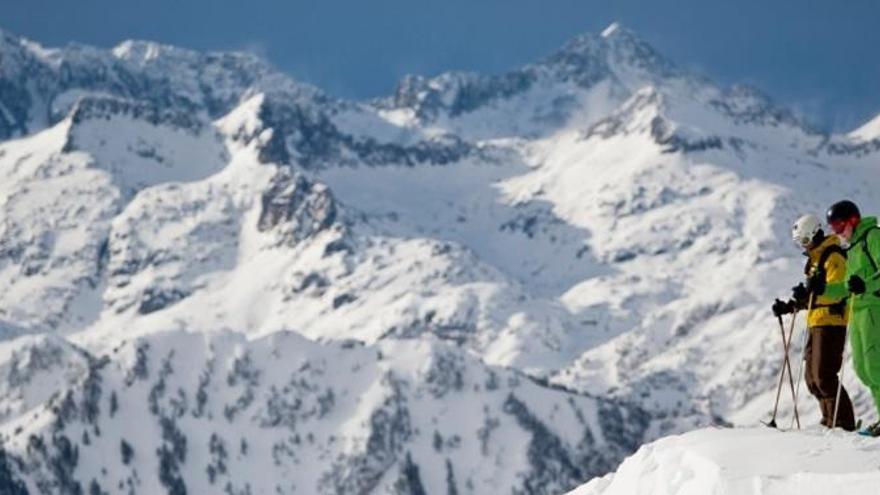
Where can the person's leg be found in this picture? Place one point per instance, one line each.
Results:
(811, 375)
(828, 344)
(858, 319)
(857, 346)
(869, 328)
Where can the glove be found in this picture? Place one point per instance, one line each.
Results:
(782, 308)
(856, 285)
(800, 295)
(816, 285)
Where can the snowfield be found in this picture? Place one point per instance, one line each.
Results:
(747, 461)
(216, 278)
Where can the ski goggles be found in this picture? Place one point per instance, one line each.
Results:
(838, 226)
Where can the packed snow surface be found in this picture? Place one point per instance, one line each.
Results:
(747, 461)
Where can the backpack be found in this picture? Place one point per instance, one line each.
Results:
(864, 243)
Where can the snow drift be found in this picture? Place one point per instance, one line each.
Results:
(747, 461)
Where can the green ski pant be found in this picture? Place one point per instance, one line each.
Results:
(865, 341)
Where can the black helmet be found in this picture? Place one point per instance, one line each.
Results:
(842, 210)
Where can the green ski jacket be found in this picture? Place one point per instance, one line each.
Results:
(863, 259)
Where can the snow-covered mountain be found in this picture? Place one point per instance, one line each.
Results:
(478, 284)
(868, 131)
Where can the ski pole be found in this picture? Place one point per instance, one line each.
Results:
(803, 351)
(842, 364)
(772, 422)
(788, 365)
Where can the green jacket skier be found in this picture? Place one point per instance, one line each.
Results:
(863, 287)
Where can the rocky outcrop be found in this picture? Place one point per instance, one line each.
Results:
(296, 208)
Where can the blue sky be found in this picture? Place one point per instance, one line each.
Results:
(820, 57)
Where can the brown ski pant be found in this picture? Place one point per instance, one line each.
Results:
(823, 356)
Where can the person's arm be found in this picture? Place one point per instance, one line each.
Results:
(837, 290)
(835, 274)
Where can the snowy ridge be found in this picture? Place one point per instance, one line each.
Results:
(598, 224)
(867, 132)
(746, 461)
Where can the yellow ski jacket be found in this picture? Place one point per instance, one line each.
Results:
(824, 312)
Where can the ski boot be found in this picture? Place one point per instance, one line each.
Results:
(872, 430)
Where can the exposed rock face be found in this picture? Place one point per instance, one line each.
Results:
(97, 108)
(296, 207)
(310, 138)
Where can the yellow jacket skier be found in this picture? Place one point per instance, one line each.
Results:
(826, 320)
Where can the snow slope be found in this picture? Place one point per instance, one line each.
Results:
(868, 131)
(602, 228)
(188, 412)
(746, 461)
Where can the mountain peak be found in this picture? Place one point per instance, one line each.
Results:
(868, 131)
(626, 49)
(14, 46)
(616, 51)
(137, 50)
(143, 52)
(610, 30)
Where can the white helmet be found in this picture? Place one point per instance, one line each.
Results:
(804, 230)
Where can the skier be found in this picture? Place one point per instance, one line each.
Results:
(862, 236)
(826, 320)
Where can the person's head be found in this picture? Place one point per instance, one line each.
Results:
(843, 217)
(807, 232)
